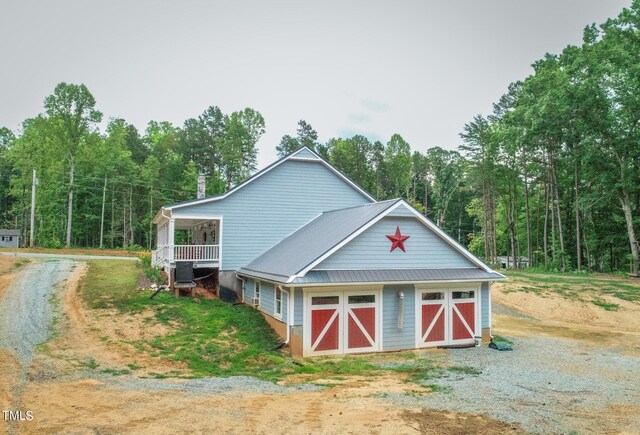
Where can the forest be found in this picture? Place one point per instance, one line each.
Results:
(551, 174)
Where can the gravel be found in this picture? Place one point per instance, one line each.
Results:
(206, 385)
(547, 385)
(26, 312)
(40, 256)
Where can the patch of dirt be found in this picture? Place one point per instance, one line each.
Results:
(550, 307)
(6, 278)
(433, 421)
(9, 370)
(92, 406)
(100, 335)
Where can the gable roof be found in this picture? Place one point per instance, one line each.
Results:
(304, 154)
(294, 257)
(4, 232)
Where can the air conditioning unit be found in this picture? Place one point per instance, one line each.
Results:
(255, 302)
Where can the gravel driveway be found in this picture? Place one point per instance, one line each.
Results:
(25, 310)
(548, 385)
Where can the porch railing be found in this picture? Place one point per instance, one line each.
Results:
(171, 253)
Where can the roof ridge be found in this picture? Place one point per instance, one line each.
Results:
(369, 204)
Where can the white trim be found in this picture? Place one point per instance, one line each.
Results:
(268, 169)
(220, 244)
(277, 315)
(342, 284)
(291, 306)
(490, 313)
(259, 292)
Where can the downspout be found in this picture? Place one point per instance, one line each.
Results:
(400, 295)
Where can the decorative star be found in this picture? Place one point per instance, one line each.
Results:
(397, 240)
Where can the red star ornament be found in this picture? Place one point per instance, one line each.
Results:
(397, 240)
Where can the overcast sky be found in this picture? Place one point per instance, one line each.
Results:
(418, 68)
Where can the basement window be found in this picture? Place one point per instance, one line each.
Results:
(278, 302)
(256, 293)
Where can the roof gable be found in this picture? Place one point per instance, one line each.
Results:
(303, 153)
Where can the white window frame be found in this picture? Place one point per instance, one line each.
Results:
(256, 291)
(276, 301)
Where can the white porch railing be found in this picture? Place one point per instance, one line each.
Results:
(171, 253)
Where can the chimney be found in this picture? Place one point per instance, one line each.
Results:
(200, 186)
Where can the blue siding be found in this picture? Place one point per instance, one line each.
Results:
(401, 212)
(265, 211)
(267, 297)
(370, 250)
(392, 337)
(306, 154)
(298, 302)
(484, 306)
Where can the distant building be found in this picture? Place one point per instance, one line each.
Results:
(508, 262)
(9, 238)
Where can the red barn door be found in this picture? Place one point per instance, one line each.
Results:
(326, 318)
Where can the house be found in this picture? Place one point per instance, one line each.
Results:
(509, 262)
(332, 270)
(9, 238)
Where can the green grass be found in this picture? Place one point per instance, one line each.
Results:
(215, 338)
(576, 286)
(607, 306)
(498, 338)
(114, 372)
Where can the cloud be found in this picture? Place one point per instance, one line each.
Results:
(375, 105)
(359, 118)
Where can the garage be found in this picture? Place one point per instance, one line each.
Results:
(342, 322)
(372, 278)
(447, 316)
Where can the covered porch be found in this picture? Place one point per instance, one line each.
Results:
(194, 238)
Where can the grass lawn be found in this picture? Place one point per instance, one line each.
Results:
(215, 338)
(578, 286)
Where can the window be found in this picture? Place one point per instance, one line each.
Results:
(256, 294)
(9, 238)
(463, 295)
(278, 301)
(325, 300)
(362, 299)
(432, 296)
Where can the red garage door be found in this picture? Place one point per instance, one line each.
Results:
(343, 322)
(446, 317)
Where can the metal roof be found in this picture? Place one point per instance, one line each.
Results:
(9, 232)
(395, 275)
(314, 239)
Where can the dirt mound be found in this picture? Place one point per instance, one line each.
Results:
(550, 307)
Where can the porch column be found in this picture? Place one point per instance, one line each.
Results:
(172, 225)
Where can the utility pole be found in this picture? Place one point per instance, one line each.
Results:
(104, 197)
(33, 208)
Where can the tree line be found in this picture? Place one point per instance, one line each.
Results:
(552, 174)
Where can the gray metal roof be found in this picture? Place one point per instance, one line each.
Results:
(9, 232)
(395, 275)
(311, 241)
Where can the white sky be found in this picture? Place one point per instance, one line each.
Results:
(419, 68)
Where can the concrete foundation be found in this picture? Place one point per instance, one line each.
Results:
(295, 340)
(486, 335)
(277, 325)
(228, 279)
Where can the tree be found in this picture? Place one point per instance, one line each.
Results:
(238, 146)
(306, 136)
(72, 110)
(398, 166)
